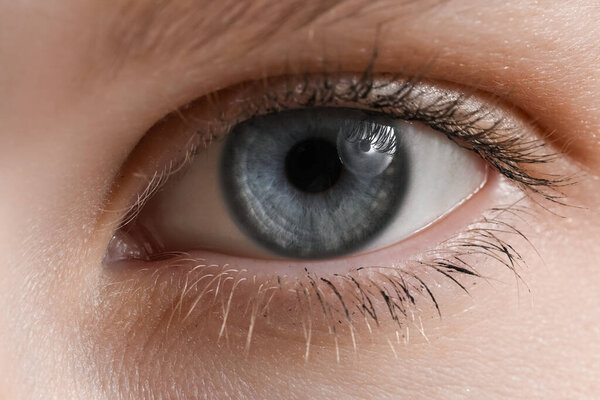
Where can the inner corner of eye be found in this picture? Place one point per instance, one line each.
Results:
(305, 184)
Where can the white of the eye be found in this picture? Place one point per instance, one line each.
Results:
(442, 175)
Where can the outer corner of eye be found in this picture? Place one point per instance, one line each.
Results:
(307, 184)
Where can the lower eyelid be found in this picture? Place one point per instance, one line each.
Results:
(232, 298)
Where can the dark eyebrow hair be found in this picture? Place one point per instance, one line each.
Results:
(137, 29)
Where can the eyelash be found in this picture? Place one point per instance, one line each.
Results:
(500, 143)
(338, 296)
(347, 303)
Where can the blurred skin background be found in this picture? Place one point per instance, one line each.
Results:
(82, 85)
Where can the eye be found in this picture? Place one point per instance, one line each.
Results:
(309, 184)
(355, 196)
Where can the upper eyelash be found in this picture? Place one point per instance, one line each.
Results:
(500, 143)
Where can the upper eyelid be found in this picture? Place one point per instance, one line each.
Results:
(465, 117)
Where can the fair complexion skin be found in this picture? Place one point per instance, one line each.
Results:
(83, 82)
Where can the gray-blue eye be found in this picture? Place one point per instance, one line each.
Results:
(314, 183)
(305, 184)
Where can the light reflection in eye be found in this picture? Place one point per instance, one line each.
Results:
(299, 184)
(366, 149)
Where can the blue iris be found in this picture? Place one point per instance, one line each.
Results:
(314, 183)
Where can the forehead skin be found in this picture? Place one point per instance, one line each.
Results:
(81, 82)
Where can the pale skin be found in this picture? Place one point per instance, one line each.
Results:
(77, 97)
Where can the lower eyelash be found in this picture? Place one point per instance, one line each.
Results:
(339, 306)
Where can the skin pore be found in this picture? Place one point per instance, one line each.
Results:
(83, 82)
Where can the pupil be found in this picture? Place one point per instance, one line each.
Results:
(313, 165)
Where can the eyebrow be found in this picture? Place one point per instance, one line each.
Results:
(138, 29)
(135, 30)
